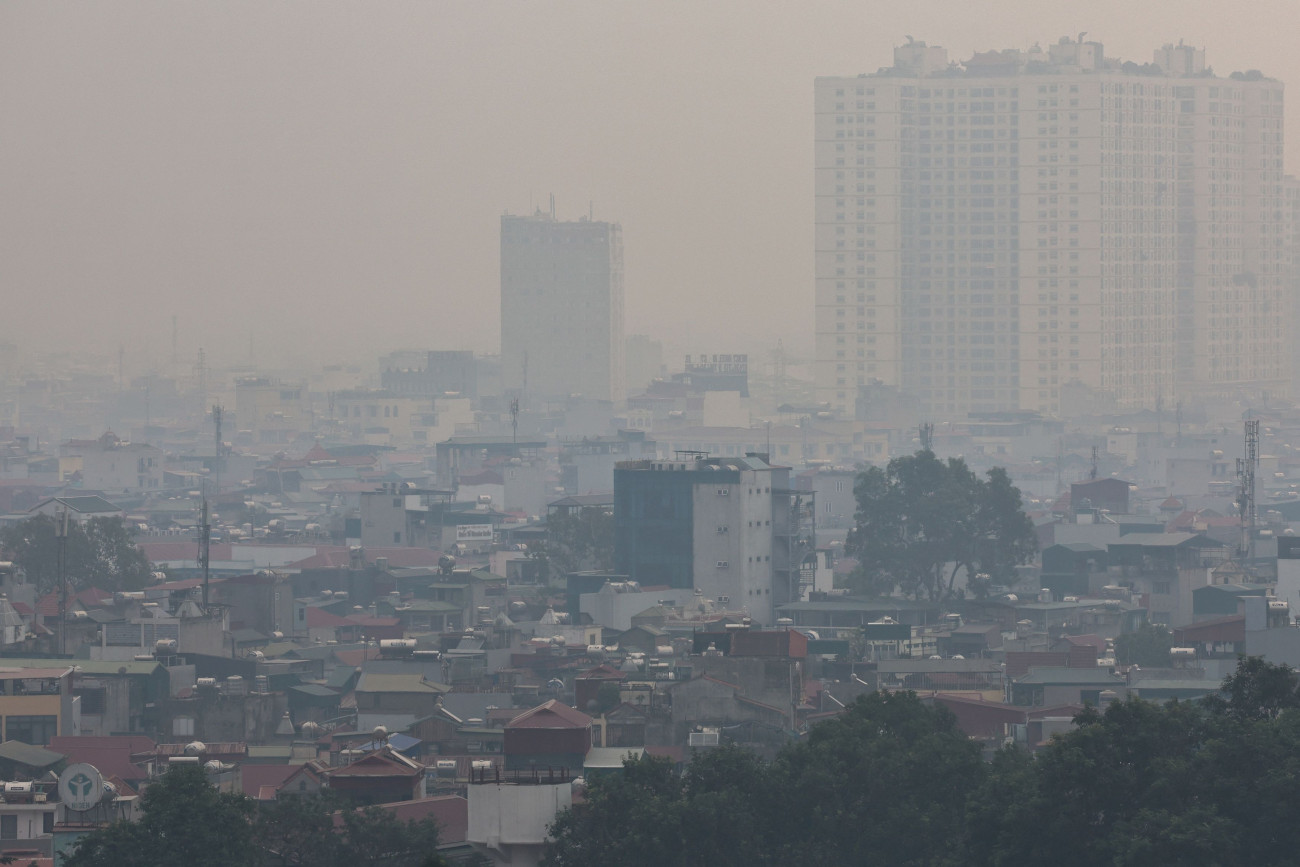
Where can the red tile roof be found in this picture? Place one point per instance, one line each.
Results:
(318, 618)
(554, 714)
(255, 778)
(381, 763)
(350, 658)
(111, 755)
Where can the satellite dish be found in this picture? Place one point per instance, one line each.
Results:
(81, 787)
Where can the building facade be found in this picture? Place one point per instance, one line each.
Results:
(991, 232)
(562, 308)
(729, 528)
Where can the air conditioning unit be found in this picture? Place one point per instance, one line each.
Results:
(722, 564)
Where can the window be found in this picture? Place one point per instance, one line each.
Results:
(1161, 587)
(34, 730)
(183, 726)
(92, 699)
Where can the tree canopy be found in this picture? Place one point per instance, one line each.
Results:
(187, 821)
(920, 521)
(893, 781)
(578, 540)
(1149, 646)
(889, 762)
(99, 553)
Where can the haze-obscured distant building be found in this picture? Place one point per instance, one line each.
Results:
(644, 361)
(438, 372)
(562, 308)
(271, 411)
(991, 232)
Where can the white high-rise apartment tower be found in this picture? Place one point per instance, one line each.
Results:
(562, 308)
(1037, 227)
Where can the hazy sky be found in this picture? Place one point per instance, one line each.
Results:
(310, 172)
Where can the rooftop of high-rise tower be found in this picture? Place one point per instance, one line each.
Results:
(1067, 56)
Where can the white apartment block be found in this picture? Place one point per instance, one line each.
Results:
(991, 233)
(562, 308)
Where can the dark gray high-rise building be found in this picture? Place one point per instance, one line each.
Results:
(562, 308)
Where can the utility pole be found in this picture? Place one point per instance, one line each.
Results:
(61, 562)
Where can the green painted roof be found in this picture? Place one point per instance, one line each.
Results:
(26, 754)
(87, 666)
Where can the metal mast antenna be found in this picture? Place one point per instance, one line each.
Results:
(1246, 497)
(927, 436)
(1092, 474)
(218, 462)
(61, 554)
(205, 544)
(514, 423)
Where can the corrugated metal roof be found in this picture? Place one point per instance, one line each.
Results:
(554, 714)
(381, 682)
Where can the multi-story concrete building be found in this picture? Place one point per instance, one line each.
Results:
(988, 233)
(270, 410)
(562, 308)
(730, 528)
(112, 464)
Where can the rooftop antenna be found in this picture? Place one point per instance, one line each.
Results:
(1092, 473)
(927, 436)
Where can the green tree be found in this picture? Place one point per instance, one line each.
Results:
(921, 520)
(1148, 647)
(631, 819)
(889, 763)
(576, 541)
(185, 821)
(99, 553)
(1259, 690)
